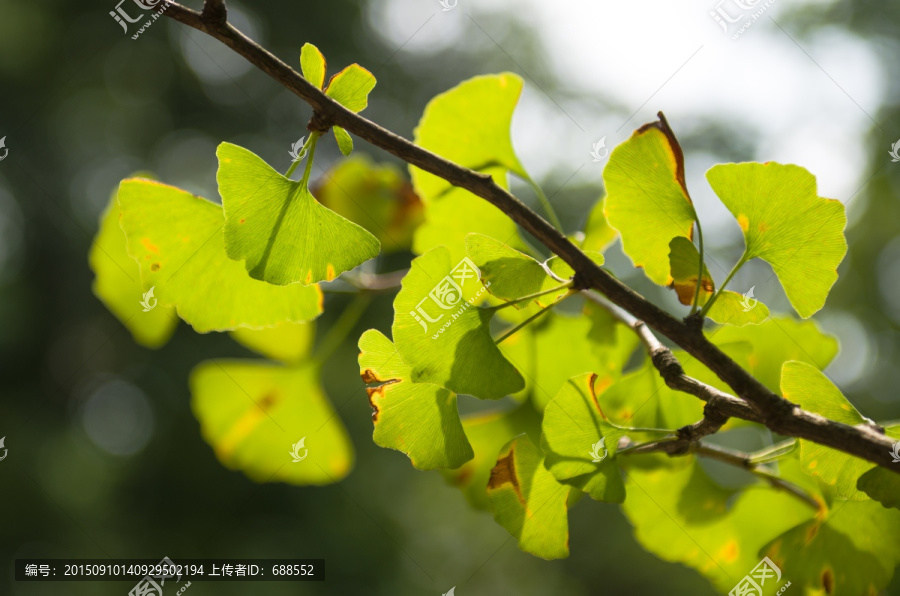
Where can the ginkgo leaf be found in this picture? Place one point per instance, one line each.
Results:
(418, 419)
(443, 338)
(487, 434)
(777, 340)
(598, 234)
(880, 484)
(647, 200)
(808, 387)
(288, 342)
(374, 196)
(253, 415)
(528, 501)
(469, 125)
(344, 141)
(787, 224)
(854, 550)
(351, 87)
(176, 238)
(579, 443)
(684, 268)
(732, 308)
(278, 227)
(117, 283)
(312, 64)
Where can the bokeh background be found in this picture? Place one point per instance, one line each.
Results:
(105, 456)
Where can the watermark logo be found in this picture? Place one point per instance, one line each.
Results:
(5, 450)
(295, 450)
(122, 17)
(297, 151)
(895, 453)
(445, 6)
(748, 301)
(448, 295)
(6, 149)
(450, 593)
(595, 451)
(152, 585)
(599, 150)
(752, 583)
(736, 16)
(148, 296)
(894, 152)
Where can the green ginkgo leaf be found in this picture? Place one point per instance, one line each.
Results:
(528, 501)
(684, 268)
(808, 387)
(580, 443)
(598, 234)
(289, 342)
(418, 419)
(786, 223)
(487, 434)
(279, 229)
(443, 338)
(344, 141)
(176, 238)
(273, 423)
(312, 64)
(117, 284)
(351, 87)
(880, 484)
(647, 200)
(469, 125)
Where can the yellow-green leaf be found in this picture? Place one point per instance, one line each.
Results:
(732, 308)
(443, 338)
(117, 283)
(279, 229)
(312, 64)
(786, 223)
(418, 419)
(528, 501)
(344, 141)
(351, 87)
(647, 200)
(684, 266)
(176, 238)
(288, 342)
(254, 415)
(598, 234)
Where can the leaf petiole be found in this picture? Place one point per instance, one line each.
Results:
(534, 316)
(531, 296)
(721, 288)
(308, 149)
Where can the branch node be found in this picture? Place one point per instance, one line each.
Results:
(318, 123)
(214, 13)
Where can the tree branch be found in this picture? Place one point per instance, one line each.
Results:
(775, 412)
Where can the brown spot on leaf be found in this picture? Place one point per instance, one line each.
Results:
(828, 581)
(369, 376)
(154, 266)
(505, 473)
(268, 400)
(591, 381)
(149, 245)
(308, 277)
(243, 219)
(329, 272)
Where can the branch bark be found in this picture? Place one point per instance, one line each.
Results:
(770, 409)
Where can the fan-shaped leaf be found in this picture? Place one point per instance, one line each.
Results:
(289, 342)
(176, 238)
(684, 267)
(419, 419)
(351, 87)
(312, 64)
(278, 227)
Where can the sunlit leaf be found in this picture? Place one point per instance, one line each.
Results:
(117, 283)
(376, 197)
(647, 200)
(528, 501)
(787, 224)
(279, 229)
(580, 444)
(732, 308)
(443, 338)
(344, 141)
(253, 414)
(419, 419)
(312, 64)
(176, 238)
(289, 342)
(351, 87)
